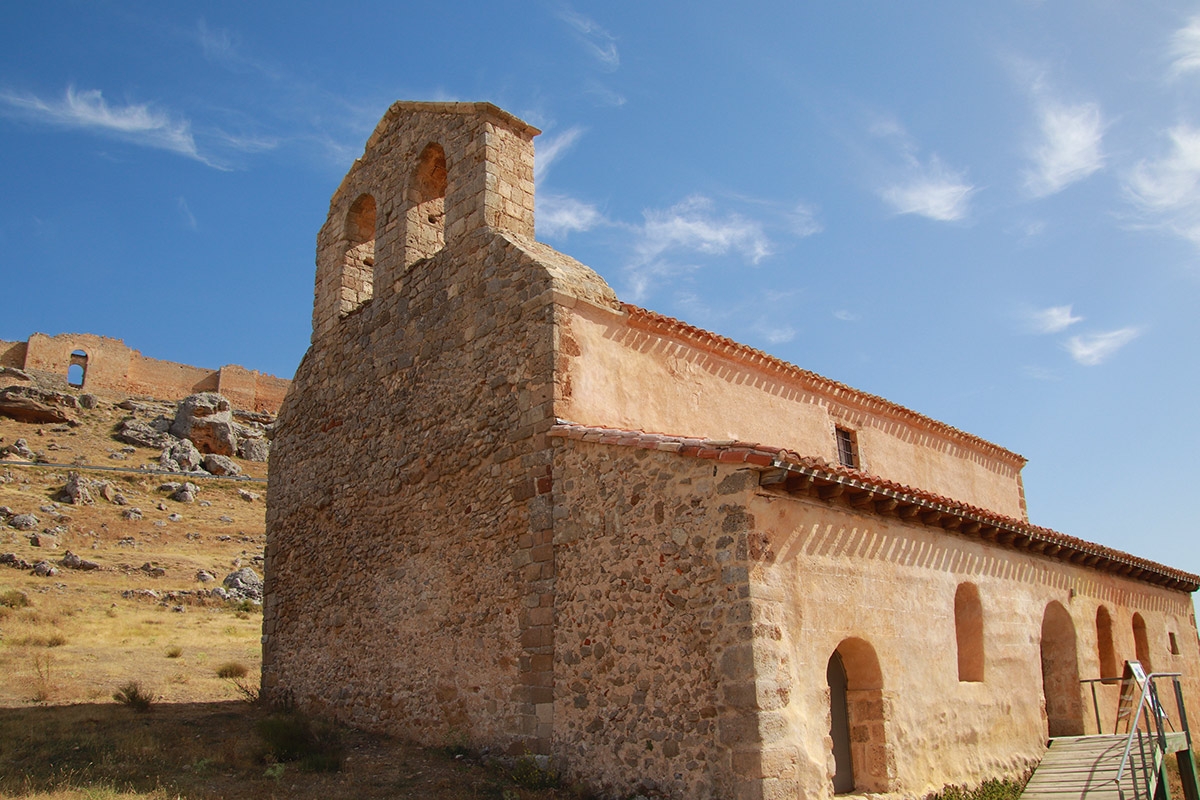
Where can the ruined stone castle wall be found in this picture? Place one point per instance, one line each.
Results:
(639, 374)
(101, 365)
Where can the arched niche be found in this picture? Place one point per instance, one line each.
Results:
(968, 632)
(1060, 672)
(1105, 649)
(1141, 643)
(77, 369)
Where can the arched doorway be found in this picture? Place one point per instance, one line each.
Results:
(1060, 673)
(839, 726)
(857, 719)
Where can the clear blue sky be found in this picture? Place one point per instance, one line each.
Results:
(987, 212)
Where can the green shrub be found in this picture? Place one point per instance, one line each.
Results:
(232, 669)
(989, 790)
(315, 745)
(529, 774)
(133, 695)
(14, 598)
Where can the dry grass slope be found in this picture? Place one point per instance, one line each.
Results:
(70, 642)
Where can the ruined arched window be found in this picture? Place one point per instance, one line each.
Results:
(425, 231)
(358, 267)
(1141, 643)
(857, 719)
(77, 369)
(968, 632)
(1104, 644)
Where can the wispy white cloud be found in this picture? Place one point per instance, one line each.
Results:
(693, 225)
(931, 190)
(846, 316)
(803, 220)
(1054, 319)
(1096, 348)
(1185, 48)
(558, 215)
(599, 42)
(549, 148)
(925, 187)
(1069, 144)
(604, 96)
(1167, 189)
(690, 226)
(189, 218)
(221, 46)
(138, 123)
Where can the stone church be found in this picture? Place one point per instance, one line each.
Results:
(509, 510)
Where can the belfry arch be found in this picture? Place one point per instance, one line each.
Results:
(425, 230)
(358, 264)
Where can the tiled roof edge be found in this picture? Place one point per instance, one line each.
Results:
(767, 457)
(838, 391)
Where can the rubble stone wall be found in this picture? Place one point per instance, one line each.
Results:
(109, 366)
(410, 473)
(651, 692)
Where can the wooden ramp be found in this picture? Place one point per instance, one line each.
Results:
(1077, 767)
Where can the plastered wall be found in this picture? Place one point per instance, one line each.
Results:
(640, 375)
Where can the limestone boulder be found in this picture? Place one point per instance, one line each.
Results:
(207, 420)
(221, 465)
(245, 583)
(144, 434)
(30, 404)
(72, 561)
(254, 448)
(77, 491)
(23, 522)
(180, 456)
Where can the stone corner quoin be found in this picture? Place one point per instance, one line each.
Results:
(506, 507)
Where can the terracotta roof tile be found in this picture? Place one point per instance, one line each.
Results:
(768, 456)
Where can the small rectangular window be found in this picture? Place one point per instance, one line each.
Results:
(847, 448)
(1174, 644)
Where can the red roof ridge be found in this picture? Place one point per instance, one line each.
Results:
(725, 346)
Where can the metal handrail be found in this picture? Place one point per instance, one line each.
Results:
(1149, 707)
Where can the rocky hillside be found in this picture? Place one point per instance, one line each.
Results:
(131, 545)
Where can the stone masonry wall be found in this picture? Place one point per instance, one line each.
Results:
(410, 474)
(394, 601)
(652, 684)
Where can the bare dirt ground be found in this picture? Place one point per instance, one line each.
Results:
(70, 641)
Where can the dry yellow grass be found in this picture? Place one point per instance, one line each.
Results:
(79, 639)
